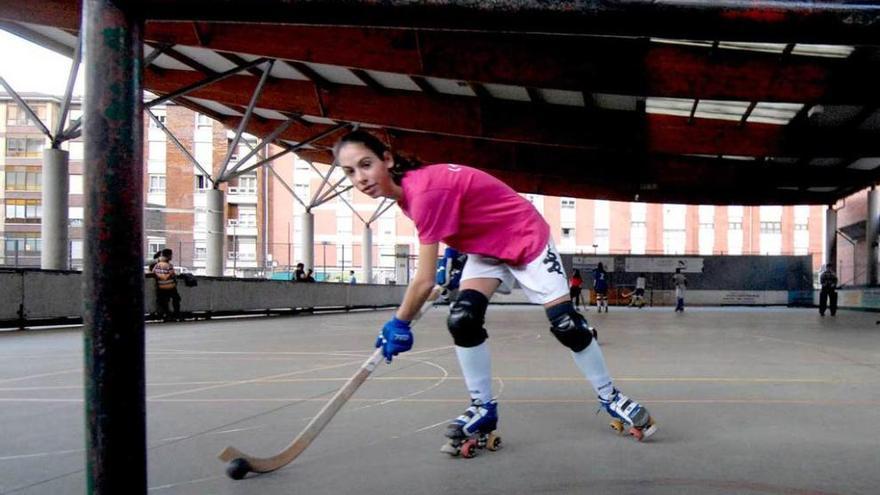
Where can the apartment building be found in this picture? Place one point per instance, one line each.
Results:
(175, 208)
(21, 164)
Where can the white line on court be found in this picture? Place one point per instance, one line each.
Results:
(41, 375)
(190, 482)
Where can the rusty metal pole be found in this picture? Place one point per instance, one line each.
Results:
(113, 279)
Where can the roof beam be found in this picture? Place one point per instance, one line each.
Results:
(185, 60)
(600, 166)
(37, 38)
(539, 182)
(525, 122)
(622, 66)
(764, 20)
(810, 21)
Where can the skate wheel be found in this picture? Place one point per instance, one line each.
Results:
(494, 442)
(616, 425)
(648, 430)
(637, 433)
(469, 448)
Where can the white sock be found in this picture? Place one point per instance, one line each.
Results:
(476, 366)
(592, 365)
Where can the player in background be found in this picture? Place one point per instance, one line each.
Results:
(575, 291)
(680, 282)
(600, 286)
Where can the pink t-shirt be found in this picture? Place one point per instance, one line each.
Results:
(473, 212)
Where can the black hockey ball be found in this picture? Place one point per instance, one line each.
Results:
(238, 468)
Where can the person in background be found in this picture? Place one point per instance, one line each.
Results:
(351, 278)
(575, 291)
(828, 293)
(166, 286)
(680, 282)
(638, 298)
(299, 274)
(600, 286)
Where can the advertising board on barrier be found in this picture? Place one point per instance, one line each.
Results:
(589, 263)
(665, 264)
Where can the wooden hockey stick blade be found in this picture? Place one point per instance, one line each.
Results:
(311, 431)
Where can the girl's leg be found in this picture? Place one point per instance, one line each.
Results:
(466, 319)
(572, 331)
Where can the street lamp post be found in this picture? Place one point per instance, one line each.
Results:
(324, 244)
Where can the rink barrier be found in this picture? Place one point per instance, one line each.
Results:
(30, 297)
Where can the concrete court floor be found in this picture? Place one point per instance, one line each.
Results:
(752, 401)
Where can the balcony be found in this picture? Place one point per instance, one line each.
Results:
(241, 195)
(242, 228)
(241, 259)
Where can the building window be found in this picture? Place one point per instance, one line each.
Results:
(247, 184)
(567, 233)
(154, 245)
(75, 216)
(638, 233)
(707, 238)
(735, 225)
(73, 115)
(771, 227)
(157, 183)
(16, 115)
(22, 244)
(23, 179)
(201, 251)
(674, 241)
(76, 184)
(24, 147)
(160, 117)
(567, 203)
(601, 240)
(302, 192)
(202, 183)
(157, 151)
(23, 210)
(247, 216)
(203, 120)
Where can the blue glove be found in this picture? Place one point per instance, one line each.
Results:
(395, 337)
(449, 269)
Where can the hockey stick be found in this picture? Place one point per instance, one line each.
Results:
(239, 463)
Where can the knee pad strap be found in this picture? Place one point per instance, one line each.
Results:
(569, 327)
(466, 318)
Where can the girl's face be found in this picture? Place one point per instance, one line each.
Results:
(368, 172)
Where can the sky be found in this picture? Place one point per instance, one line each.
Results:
(30, 68)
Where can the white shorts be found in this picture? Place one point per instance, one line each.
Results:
(543, 279)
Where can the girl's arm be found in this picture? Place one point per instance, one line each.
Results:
(420, 286)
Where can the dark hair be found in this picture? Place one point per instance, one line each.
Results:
(167, 252)
(401, 164)
(577, 273)
(600, 267)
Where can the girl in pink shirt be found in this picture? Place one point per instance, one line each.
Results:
(506, 239)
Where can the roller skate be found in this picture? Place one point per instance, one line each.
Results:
(473, 430)
(630, 417)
